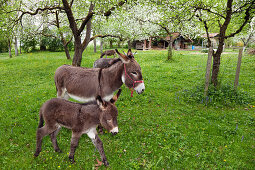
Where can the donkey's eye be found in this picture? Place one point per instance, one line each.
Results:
(135, 73)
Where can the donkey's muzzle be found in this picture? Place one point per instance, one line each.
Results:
(140, 88)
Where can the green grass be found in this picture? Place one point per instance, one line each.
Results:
(158, 129)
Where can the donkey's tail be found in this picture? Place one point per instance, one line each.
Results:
(41, 121)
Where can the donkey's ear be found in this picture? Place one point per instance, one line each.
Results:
(100, 102)
(130, 54)
(123, 57)
(115, 98)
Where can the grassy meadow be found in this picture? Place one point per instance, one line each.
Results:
(169, 126)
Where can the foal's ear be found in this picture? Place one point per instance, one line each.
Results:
(100, 102)
(123, 57)
(115, 98)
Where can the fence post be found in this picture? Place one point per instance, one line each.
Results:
(208, 70)
(238, 67)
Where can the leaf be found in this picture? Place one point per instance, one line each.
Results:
(99, 163)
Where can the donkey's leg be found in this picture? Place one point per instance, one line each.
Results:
(53, 137)
(100, 129)
(61, 92)
(66, 96)
(99, 145)
(41, 132)
(74, 144)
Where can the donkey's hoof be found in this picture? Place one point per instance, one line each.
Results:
(106, 163)
(72, 160)
(36, 154)
(58, 150)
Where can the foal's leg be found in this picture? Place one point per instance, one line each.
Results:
(53, 137)
(74, 144)
(98, 144)
(41, 132)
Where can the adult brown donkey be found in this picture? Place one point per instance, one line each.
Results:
(84, 84)
(80, 118)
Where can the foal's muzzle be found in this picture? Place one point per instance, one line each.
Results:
(114, 131)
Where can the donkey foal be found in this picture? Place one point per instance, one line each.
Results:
(80, 118)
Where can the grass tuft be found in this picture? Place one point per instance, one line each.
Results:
(225, 95)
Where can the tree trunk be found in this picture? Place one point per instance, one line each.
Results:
(95, 45)
(16, 47)
(170, 54)
(119, 43)
(77, 56)
(111, 46)
(217, 55)
(77, 52)
(238, 68)
(208, 70)
(216, 62)
(129, 44)
(101, 45)
(9, 48)
(68, 57)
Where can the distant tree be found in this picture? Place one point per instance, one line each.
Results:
(77, 24)
(6, 25)
(171, 17)
(230, 17)
(247, 36)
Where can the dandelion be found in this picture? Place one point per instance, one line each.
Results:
(224, 160)
(59, 166)
(226, 146)
(50, 157)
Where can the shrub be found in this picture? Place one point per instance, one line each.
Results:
(29, 43)
(55, 45)
(3, 46)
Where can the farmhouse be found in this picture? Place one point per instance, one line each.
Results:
(214, 37)
(179, 42)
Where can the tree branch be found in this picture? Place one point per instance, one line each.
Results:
(70, 17)
(246, 19)
(210, 11)
(88, 28)
(87, 19)
(206, 29)
(103, 36)
(109, 12)
(37, 11)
